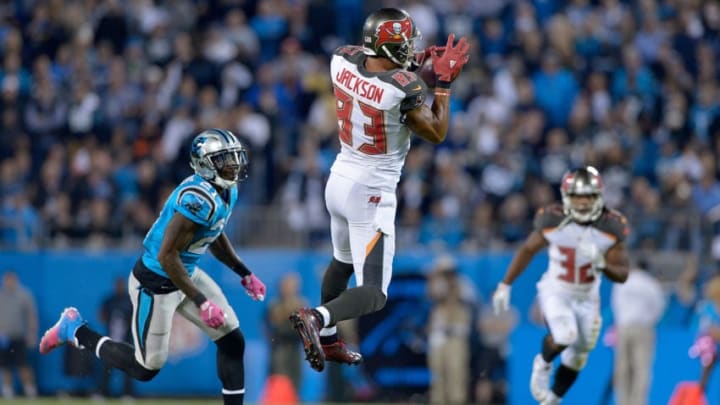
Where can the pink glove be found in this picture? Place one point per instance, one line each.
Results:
(705, 349)
(255, 288)
(212, 315)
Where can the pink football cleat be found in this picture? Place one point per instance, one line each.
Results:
(63, 331)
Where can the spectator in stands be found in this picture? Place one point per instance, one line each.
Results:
(286, 353)
(707, 329)
(132, 83)
(18, 332)
(637, 307)
(449, 331)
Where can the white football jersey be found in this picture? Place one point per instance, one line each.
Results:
(371, 108)
(567, 269)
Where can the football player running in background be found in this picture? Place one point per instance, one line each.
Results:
(584, 240)
(380, 104)
(166, 278)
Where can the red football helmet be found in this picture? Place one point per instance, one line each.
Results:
(390, 33)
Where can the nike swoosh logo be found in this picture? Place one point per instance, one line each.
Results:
(419, 87)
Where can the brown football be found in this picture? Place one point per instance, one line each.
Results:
(426, 73)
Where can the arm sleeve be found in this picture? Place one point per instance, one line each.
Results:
(414, 93)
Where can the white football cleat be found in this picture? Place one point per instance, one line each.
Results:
(540, 379)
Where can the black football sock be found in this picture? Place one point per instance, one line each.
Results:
(87, 337)
(335, 280)
(119, 355)
(564, 379)
(367, 298)
(355, 302)
(230, 367)
(328, 340)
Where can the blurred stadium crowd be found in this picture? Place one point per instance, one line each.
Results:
(98, 99)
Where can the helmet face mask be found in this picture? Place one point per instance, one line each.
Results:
(581, 191)
(218, 157)
(391, 33)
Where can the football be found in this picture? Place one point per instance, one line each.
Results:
(426, 73)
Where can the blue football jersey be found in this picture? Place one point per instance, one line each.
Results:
(196, 199)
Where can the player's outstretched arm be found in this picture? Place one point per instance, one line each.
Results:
(178, 235)
(223, 250)
(431, 124)
(617, 263)
(534, 243)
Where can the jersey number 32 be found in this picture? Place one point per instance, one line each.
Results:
(582, 275)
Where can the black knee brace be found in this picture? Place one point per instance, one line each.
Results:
(230, 359)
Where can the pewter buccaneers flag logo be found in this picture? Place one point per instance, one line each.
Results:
(393, 32)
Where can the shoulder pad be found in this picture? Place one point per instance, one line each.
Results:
(196, 203)
(548, 217)
(407, 81)
(613, 223)
(350, 52)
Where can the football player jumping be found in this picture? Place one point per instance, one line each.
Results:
(584, 240)
(166, 278)
(379, 105)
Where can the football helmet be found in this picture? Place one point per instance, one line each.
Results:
(217, 156)
(390, 33)
(585, 181)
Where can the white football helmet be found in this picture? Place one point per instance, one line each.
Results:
(219, 157)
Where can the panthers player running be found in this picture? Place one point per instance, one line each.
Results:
(585, 240)
(166, 278)
(379, 104)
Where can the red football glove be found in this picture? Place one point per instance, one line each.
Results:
(212, 315)
(448, 65)
(421, 57)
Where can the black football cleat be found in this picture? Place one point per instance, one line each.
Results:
(308, 326)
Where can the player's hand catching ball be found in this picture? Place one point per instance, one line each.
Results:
(449, 60)
(501, 298)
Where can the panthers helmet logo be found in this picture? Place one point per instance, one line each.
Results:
(197, 144)
(393, 32)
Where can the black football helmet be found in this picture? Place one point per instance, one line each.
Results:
(584, 181)
(390, 33)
